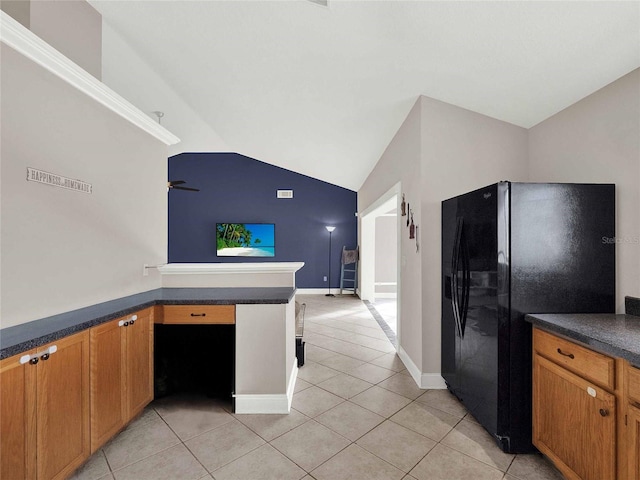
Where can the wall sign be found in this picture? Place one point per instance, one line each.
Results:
(35, 175)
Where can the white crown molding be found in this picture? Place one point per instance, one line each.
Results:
(24, 41)
(226, 268)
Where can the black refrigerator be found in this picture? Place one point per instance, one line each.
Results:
(507, 250)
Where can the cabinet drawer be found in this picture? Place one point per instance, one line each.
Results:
(198, 314)
(633, 382)
(592, 365)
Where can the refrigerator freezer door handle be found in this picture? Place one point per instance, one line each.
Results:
(466, 282)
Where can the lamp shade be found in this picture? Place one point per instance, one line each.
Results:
(330, 228)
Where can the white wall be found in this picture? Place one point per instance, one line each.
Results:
(61, 249)
(128, 74)
(597, 140)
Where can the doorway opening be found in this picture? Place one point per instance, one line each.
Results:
(380, 266)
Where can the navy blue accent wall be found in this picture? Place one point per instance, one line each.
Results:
(239, 189)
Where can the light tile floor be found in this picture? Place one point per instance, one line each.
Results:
(387, 308)
(357, 414)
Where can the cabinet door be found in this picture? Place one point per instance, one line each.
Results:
(17, 418)
(108, 406)
(139, 364)
(63, 441)
(574, 422)
(633, 442)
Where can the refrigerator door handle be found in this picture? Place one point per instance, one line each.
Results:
(455, 298)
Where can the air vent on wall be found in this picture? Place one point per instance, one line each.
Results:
(284, 194)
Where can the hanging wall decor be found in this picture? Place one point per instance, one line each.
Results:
(417, 244)
(412, 227)
(55, 180)
(408, 210)
(403, 207)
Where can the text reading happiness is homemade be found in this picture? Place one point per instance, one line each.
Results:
(55, 180)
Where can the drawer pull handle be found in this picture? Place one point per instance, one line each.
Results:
(604, 412)
(198, 314)
(570, 355)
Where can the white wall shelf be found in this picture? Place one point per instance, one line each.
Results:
(226, 268)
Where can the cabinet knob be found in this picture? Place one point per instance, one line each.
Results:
(131, 322)
(126, 324)
(34, 360)
(604, 412)
(45, 357)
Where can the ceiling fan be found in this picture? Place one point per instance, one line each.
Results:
(173, 184)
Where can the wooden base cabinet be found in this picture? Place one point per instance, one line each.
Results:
(47, 435)
(586, 410)
(139, 363)
(632, 379)
(108, 381)
(574, 422)
(121, 373)
(633, 442)
(17, 418)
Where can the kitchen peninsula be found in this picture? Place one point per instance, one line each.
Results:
(264, 317)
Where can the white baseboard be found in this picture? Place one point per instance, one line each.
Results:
(276, 403)
(413, 369)
(292, 383)
(428, 381)
(322, 291)
(432, 381)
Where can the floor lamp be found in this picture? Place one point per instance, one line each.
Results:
(330, 230)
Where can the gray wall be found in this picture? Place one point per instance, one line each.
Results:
(62, 249)
(386, 253)
(461, 151)
(594, 140)
(73, 27)
(597, 140)
(401, 161)
(18, 9)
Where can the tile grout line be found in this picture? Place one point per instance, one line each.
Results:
(383, 352)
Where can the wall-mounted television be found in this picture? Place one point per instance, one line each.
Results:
(245, 240)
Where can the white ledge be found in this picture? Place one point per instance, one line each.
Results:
(24, 41)
(226, 268)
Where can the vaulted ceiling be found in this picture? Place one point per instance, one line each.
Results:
(322, 90)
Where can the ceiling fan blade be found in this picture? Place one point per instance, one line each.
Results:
(187, 188)
(176, 182)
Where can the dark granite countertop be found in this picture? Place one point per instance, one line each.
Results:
(617, 335)
(17, 339)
